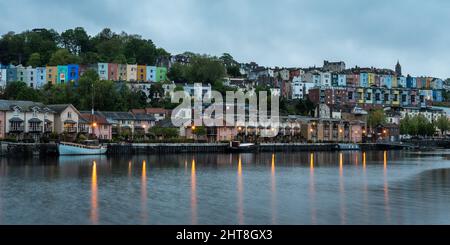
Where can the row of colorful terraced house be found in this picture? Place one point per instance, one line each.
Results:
(374, 97)
(36, 77)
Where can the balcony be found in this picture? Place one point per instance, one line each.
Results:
(35, 129)
(16, 129)
(48, 129)
(83, 129)
(70, 129)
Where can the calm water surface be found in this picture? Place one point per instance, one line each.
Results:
(283, 188)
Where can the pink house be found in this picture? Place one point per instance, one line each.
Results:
(98, 126)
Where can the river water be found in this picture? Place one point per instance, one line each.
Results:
(395, 187)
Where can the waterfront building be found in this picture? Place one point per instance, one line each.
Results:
(127, 123)
(131, 73)
(113, 72)
(66, 119)
(141, 73)
(73, 72)
(102, 71)
(430, 113)
(96, 125)
(62, 74)
(51, 73)
(25, 119)
(158, 113)
(151, 73)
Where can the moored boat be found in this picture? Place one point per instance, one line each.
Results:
(236, 146)
(66, 148)
(348, 147)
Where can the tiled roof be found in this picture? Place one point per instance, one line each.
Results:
(7, 105)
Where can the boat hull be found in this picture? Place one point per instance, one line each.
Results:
(65, 150)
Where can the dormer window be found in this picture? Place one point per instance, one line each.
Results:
(16, 111)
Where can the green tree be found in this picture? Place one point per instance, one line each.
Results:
(34, 60)
(376, 117)
(63, 57)
(443, 124)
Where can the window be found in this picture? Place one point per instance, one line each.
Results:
(69, 114)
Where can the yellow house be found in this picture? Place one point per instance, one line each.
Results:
(131, 73)
(394, 82)
(395, 97)
(141, 73)
(360, 94)
(51, 74)
(371, 80)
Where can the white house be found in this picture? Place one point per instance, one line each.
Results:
(297, 88)
(3, 78)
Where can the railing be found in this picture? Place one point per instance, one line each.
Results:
(81, 145)
(35, 129)
(83, 129)
(70, 129)
(48, 129)
(16, 128)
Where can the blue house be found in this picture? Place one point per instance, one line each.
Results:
(11, 73)
(364, 80)
(411, 82)
(437, 96)
(72, 72)
(102, 70)
(151, 73)
(40, 77)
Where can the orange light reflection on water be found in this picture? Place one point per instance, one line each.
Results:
(94, 195)
(193, 193)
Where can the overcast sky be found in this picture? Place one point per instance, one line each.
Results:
(270, 32)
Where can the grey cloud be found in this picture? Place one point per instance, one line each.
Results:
(270, 32)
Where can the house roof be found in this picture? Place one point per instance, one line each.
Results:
(112, 116)
(58, 108)
(89, 118)
(150, 111)
(8, 105)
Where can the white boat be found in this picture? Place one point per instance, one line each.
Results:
(348, 147)
(236, 146)
(65, 148)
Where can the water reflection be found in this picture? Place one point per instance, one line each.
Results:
(240, 192)
(94, 193)
(342, 189)
(282, 188)
(312, 190)
(144, 192)
(386, 188)
(273, 190)
(193, 194)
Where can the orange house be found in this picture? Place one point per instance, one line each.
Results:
(141, 73)
(51, 74)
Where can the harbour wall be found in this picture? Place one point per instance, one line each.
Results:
(25, 150)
